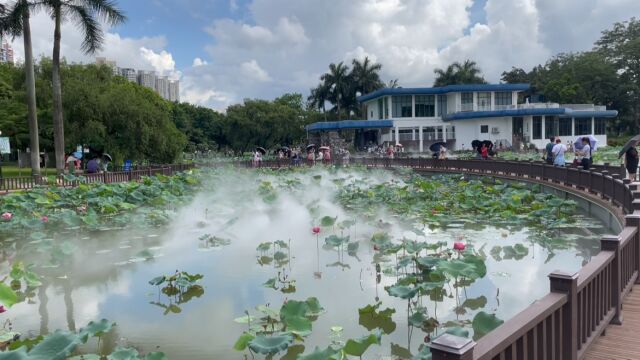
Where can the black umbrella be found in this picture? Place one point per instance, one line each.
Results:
(285, 148)
(311, 146)
(631, 143)
(436, 147)
(262, 150)
(476, 144)
(487, 143)
(107, 157)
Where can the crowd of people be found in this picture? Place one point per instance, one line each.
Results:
(554, 152)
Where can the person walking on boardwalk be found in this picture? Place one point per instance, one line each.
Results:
(558, 153)
(631, 162)
(548, 151)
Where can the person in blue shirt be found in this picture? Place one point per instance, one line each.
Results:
(549, 151)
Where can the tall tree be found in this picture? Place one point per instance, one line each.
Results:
(337, 80)
(621, 46)
(86, 14)
(366, 79)
(455, 74)
(319, 97)
(393, 84)
(15, 22)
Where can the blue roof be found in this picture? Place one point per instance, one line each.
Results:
(349, 125)
(561, 112)
(443, 90)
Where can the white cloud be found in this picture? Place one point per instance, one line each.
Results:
(199, 62)
(252, 70)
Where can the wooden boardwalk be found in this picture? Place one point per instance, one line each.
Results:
(621, 342)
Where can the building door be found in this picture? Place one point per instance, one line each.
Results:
(517, 132)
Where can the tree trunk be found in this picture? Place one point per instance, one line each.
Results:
(31, 96)
(58, 121)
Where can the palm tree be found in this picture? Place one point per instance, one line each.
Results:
(15, 22)
(86, 14)
(393, 84)
(337, 81)
(319, 97)
(456, 73)
(366, 76)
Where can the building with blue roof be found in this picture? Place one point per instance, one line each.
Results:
(459, 114)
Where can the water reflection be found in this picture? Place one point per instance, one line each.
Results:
(106, 274)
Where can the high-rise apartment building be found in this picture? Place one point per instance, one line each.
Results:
(6, 52)
(162, 86)
(129, 74)
(147, 79)
(174, 91)
(109, 63)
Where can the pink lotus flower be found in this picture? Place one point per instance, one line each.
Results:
(2, 309)
(7, 216)
(459, 246)
(44, 218)
(316, 230)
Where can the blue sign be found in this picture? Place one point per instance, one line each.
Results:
(127, 165)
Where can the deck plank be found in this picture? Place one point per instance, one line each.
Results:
(621, 342)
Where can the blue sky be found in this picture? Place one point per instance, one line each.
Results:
(224, 51)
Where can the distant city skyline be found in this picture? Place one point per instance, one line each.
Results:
(166, 88)
(6, 51)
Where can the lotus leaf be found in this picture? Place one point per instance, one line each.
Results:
(458, 331)
(95, 328)
(336, 241)
(318, 354)
(56, 346)
(158, 280)
(264, 247)
(281, 244)
(424, 354)
(279, 256)
(328, 221)
(314, 307)
(359, 346)
(400, 352)
(371, 318)
(243, 341)
(475, 304)
(483, 323)
(7, 296)
(270, 344)
(401, 291)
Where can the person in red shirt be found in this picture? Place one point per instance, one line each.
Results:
(484, 152)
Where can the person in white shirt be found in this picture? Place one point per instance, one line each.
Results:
(558, 153)
(585, 153)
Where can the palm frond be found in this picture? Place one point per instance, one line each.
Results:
(105, 10)
(93, 35)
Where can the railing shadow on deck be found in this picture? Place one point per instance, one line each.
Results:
(563, 324)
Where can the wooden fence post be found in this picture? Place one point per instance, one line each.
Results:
(612, 243)
(633, 220)
(567, 284)
(451, 347)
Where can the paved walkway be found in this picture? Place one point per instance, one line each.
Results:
(621, 342)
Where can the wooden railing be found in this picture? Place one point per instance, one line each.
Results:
(579, 307)
(135, 174)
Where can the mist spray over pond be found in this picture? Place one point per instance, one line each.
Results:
(106, 274)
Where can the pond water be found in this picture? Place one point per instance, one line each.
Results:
(106, 274)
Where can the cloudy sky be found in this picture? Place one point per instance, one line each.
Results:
(226, 50)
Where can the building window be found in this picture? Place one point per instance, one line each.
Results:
(442, 105)
(550, 127)
(484, 101)
(406, 134)
(371, 116)
(451, 133)
(425, 106)
(467, 101)
(583, 126)
(429, 133)
(380, 108)
(484, 129)
(537, 127)
(402, 106)
(504, 100)
(564, 128)
(600, 126)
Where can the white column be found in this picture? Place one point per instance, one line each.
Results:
(435, 107)
(413, 134)
(573, 126)
(493, 100)
(544, 120)
(413, 106)
(593, 126)
(475, 101)
(397, 135)
(444, 133)
(389, 103)
(420, 135)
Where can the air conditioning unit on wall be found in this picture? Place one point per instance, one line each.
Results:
(495, 130)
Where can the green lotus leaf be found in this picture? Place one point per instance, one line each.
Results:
(424, 354)
(475, 304)
(243, 341)
(271, 283)
(336, 241)
(359, 346)
(86, 357)
(158, 280)
(401, 291)
(244, 319)
(328, 221)
(56, 346)
(263, 247)
(458, 331)
(484, 323)
(314, 307)
(318, 354)
(267, 345)
(352, 248)
(400, 352)
(457, 268)
(417, 319)
(95, 328)
(281, 244)
(6, 336)
(7, 296)
(156, 356)
(268, 311)
(371, 318)
(280, 256)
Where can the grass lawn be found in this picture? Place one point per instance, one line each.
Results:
(11, 171)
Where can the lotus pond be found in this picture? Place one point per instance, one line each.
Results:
(315, 263)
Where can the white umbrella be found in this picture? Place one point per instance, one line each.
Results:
(593, 142)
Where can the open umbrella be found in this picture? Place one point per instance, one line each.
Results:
(593, 142)
(285, 148)
(487, 143)
(436, 147)
(107, 157)
(633, 142)
(77, 155)
(476, 144)
(262, 150)
(399, 145)
(311, 146)
(324, 148)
